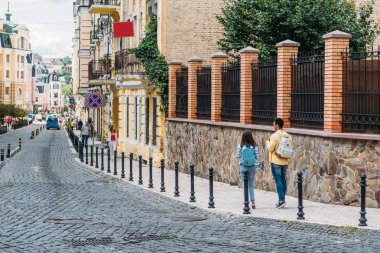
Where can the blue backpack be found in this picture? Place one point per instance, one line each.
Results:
(248, 158)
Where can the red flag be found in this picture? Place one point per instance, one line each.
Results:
(123, 29)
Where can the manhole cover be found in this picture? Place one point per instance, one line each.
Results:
(90, 241)
(67, 221)
(143, 238)
(190, 218)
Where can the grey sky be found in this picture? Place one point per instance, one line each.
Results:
(49, 22)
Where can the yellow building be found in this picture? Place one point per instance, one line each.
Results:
(15, 64)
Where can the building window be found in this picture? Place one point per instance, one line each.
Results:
(6, 90)
(127, 118)
(22, 74)
(147, 120)
(18, 74)
(7, 74)
(154, 123)
(56, 95)
(22, 42)
(36, 99)
(8, 58)
(56, 86)
(22, 59)
(135, 118)
(18, 58)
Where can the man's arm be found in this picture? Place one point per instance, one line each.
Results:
(271, 144)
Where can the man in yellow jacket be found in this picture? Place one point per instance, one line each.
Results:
(279, 165)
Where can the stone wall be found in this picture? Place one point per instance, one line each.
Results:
(331, 166)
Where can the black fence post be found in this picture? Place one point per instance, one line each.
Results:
(108, 160)
(162, 189)
(122, 165)
(140, 170)
(192, 192)
(2, 155)
(246, 202)
(115, 163)
(363, 184)
(81, 151)
(96, 157)
(91, 155)
(9, 151)
(211, 203)
(300, 214)
(131, 167)
(32, 135)
(86, 153)
(102, 158)
(150, 185)
(176, 171)
(19, 142)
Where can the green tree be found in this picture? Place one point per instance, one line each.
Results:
(263, 23)
(66, 61)
(66, 75)
(154, 63)
(12, 110)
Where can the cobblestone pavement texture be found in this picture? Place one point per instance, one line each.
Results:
(50, 203)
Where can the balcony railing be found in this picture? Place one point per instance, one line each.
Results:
(100, 69)
(127, 63)
(105, 2)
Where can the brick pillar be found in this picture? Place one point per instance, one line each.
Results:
(285, 50)
(248, 55)
(217, 61)
(194, 64)
(173, 67)
(335, 43)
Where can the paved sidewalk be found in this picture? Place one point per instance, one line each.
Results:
(229, 199)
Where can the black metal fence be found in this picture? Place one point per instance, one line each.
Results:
(3, 129)
(181, 92)
(204, 92)
(20, 124)
(231, 92)
(307, 108)
(127, 63)
(99, 69)
(361, 92)
(264, 92)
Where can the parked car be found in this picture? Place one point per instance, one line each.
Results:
(52, 122)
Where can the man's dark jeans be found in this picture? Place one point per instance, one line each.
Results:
(279, 175)
(84, 139)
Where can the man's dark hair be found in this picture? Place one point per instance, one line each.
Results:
(279, 122)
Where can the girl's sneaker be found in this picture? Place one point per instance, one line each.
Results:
(281, 204)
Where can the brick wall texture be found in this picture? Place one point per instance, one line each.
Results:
(192, 29)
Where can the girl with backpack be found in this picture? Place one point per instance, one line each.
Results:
(249, 158)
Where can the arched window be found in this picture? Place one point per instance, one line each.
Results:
(19, 92)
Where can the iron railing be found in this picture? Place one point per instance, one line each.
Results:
(105, 2)
(127, 63)
(3, 129)
(99, 69)
(20, 124)
(204, 92)
(231, 92)
(264, 92)
(181, 92)
(307, 90)
(361, 92)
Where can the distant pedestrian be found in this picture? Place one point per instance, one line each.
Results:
(112, 140)
(248, 153)
(85, 132)
(280, 150)
(9, 121)
(80, 124)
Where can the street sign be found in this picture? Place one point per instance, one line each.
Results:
(72, 106)
(72, 101)
(94, 100)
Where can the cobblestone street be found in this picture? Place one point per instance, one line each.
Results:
(50, 203)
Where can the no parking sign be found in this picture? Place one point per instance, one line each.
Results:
(94, 100)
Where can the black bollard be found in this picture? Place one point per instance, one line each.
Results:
(32, 135)
(176, 171)
(78, 144)
(140, 170)
(122, 165)
(150, 185)
(363, 184)
(162, 189)
(211, 203)
(96, 157)
(192, 192)
(91, 155)
(86, 154)
(108, 160)
(102, 159)
(19, 142)
(246, 202)
(114, 163)
(81, 151)
(9, 151)
(36, 131)
(131, 167)
(2, 155)
(300, 214)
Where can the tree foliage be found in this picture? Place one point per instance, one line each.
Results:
(154, 63)
(263, 23)
(66, 60)
(66, 75)
(12, 110)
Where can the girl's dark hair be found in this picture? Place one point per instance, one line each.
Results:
(247, 139)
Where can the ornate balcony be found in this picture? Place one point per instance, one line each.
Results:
(126, 63)
(100, 70)
(111, 7)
